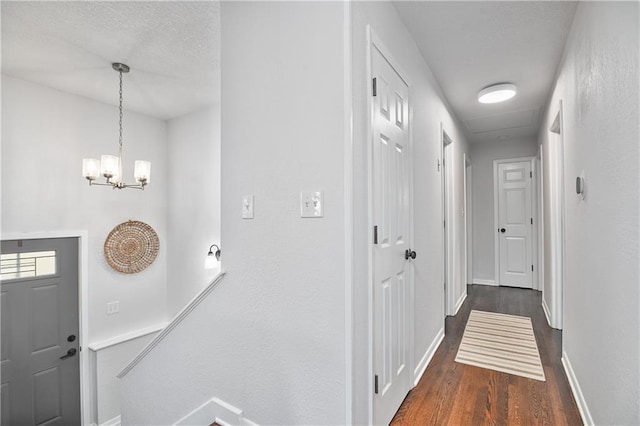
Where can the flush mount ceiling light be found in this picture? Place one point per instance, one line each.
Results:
(110, 166)
(497, 93)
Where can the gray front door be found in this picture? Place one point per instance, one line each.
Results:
(40, 342)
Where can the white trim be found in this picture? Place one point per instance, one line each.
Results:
(418, 372)
(173, 323)
(496, 211)
(545, 309)
(86, 382)
(484, 282)
(460, 301)
(465, 221)
(215, 410)
(469, 221)
(540, 221)
(116, 421)
(121, 338)
(447, 218)
(577, 391)
(348, 212)
(369, 154)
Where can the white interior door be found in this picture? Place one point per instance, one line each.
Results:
(391, 218)
(515, 224)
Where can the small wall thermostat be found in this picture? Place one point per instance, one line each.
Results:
(580, 186)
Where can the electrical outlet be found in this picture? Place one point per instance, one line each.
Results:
(113, 307)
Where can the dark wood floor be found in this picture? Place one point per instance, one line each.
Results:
(450, 393)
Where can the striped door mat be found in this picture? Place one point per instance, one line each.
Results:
(501, 342)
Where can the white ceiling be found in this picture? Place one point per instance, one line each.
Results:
(473, 44)
(172, 47)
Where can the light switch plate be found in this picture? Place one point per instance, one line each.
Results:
(311, 204)
(247, 207)
(113, 307)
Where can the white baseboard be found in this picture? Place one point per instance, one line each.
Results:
(113, 422)
(545, 308)
(426, 358)
(459, 303)
(577, 392)
(483, 282)
(215, 410)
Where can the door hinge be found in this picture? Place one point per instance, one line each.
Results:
(532, 221)
(444, 223)
(438, 164)
(531, 175)
(531, 268)
(375, 87)
(375, 234)
(375, 384)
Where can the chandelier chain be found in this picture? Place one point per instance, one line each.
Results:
(120, 122)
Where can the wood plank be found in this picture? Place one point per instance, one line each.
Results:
(454, 393)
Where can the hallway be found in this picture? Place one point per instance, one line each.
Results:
(454, 393)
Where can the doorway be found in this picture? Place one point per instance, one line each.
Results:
(514, 225)
(447, 221)
(468, 218)
(40, 331)
(554, 250)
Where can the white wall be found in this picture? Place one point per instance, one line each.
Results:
(598, 83)
(271, 338)
(194, 203)
(45, 135)
(107, 361)
(482, 156)
(428, 111)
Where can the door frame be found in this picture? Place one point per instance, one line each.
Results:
(540, 213)
(86, 382)
(496, 221)
(557, 217)
(374, 42)
(468, 219)
(448, 272)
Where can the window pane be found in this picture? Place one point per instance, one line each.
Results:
(25, 265)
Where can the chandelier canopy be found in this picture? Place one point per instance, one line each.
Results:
(110, 166)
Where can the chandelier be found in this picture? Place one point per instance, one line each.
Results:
(110, 166)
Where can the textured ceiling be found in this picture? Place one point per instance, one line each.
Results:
(173, 49)
(470, 45)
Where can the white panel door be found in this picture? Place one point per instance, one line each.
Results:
(515, 223)
(391, 218)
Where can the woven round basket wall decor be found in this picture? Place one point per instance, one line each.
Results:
(131, 247)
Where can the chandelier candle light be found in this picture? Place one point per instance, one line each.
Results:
(110, 166)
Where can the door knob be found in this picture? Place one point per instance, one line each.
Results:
(71, 352)
(503, 230)
(409, 254)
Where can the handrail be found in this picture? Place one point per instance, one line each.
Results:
(173, 323)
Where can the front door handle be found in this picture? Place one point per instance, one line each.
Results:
(409, 254)
(71, 352)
